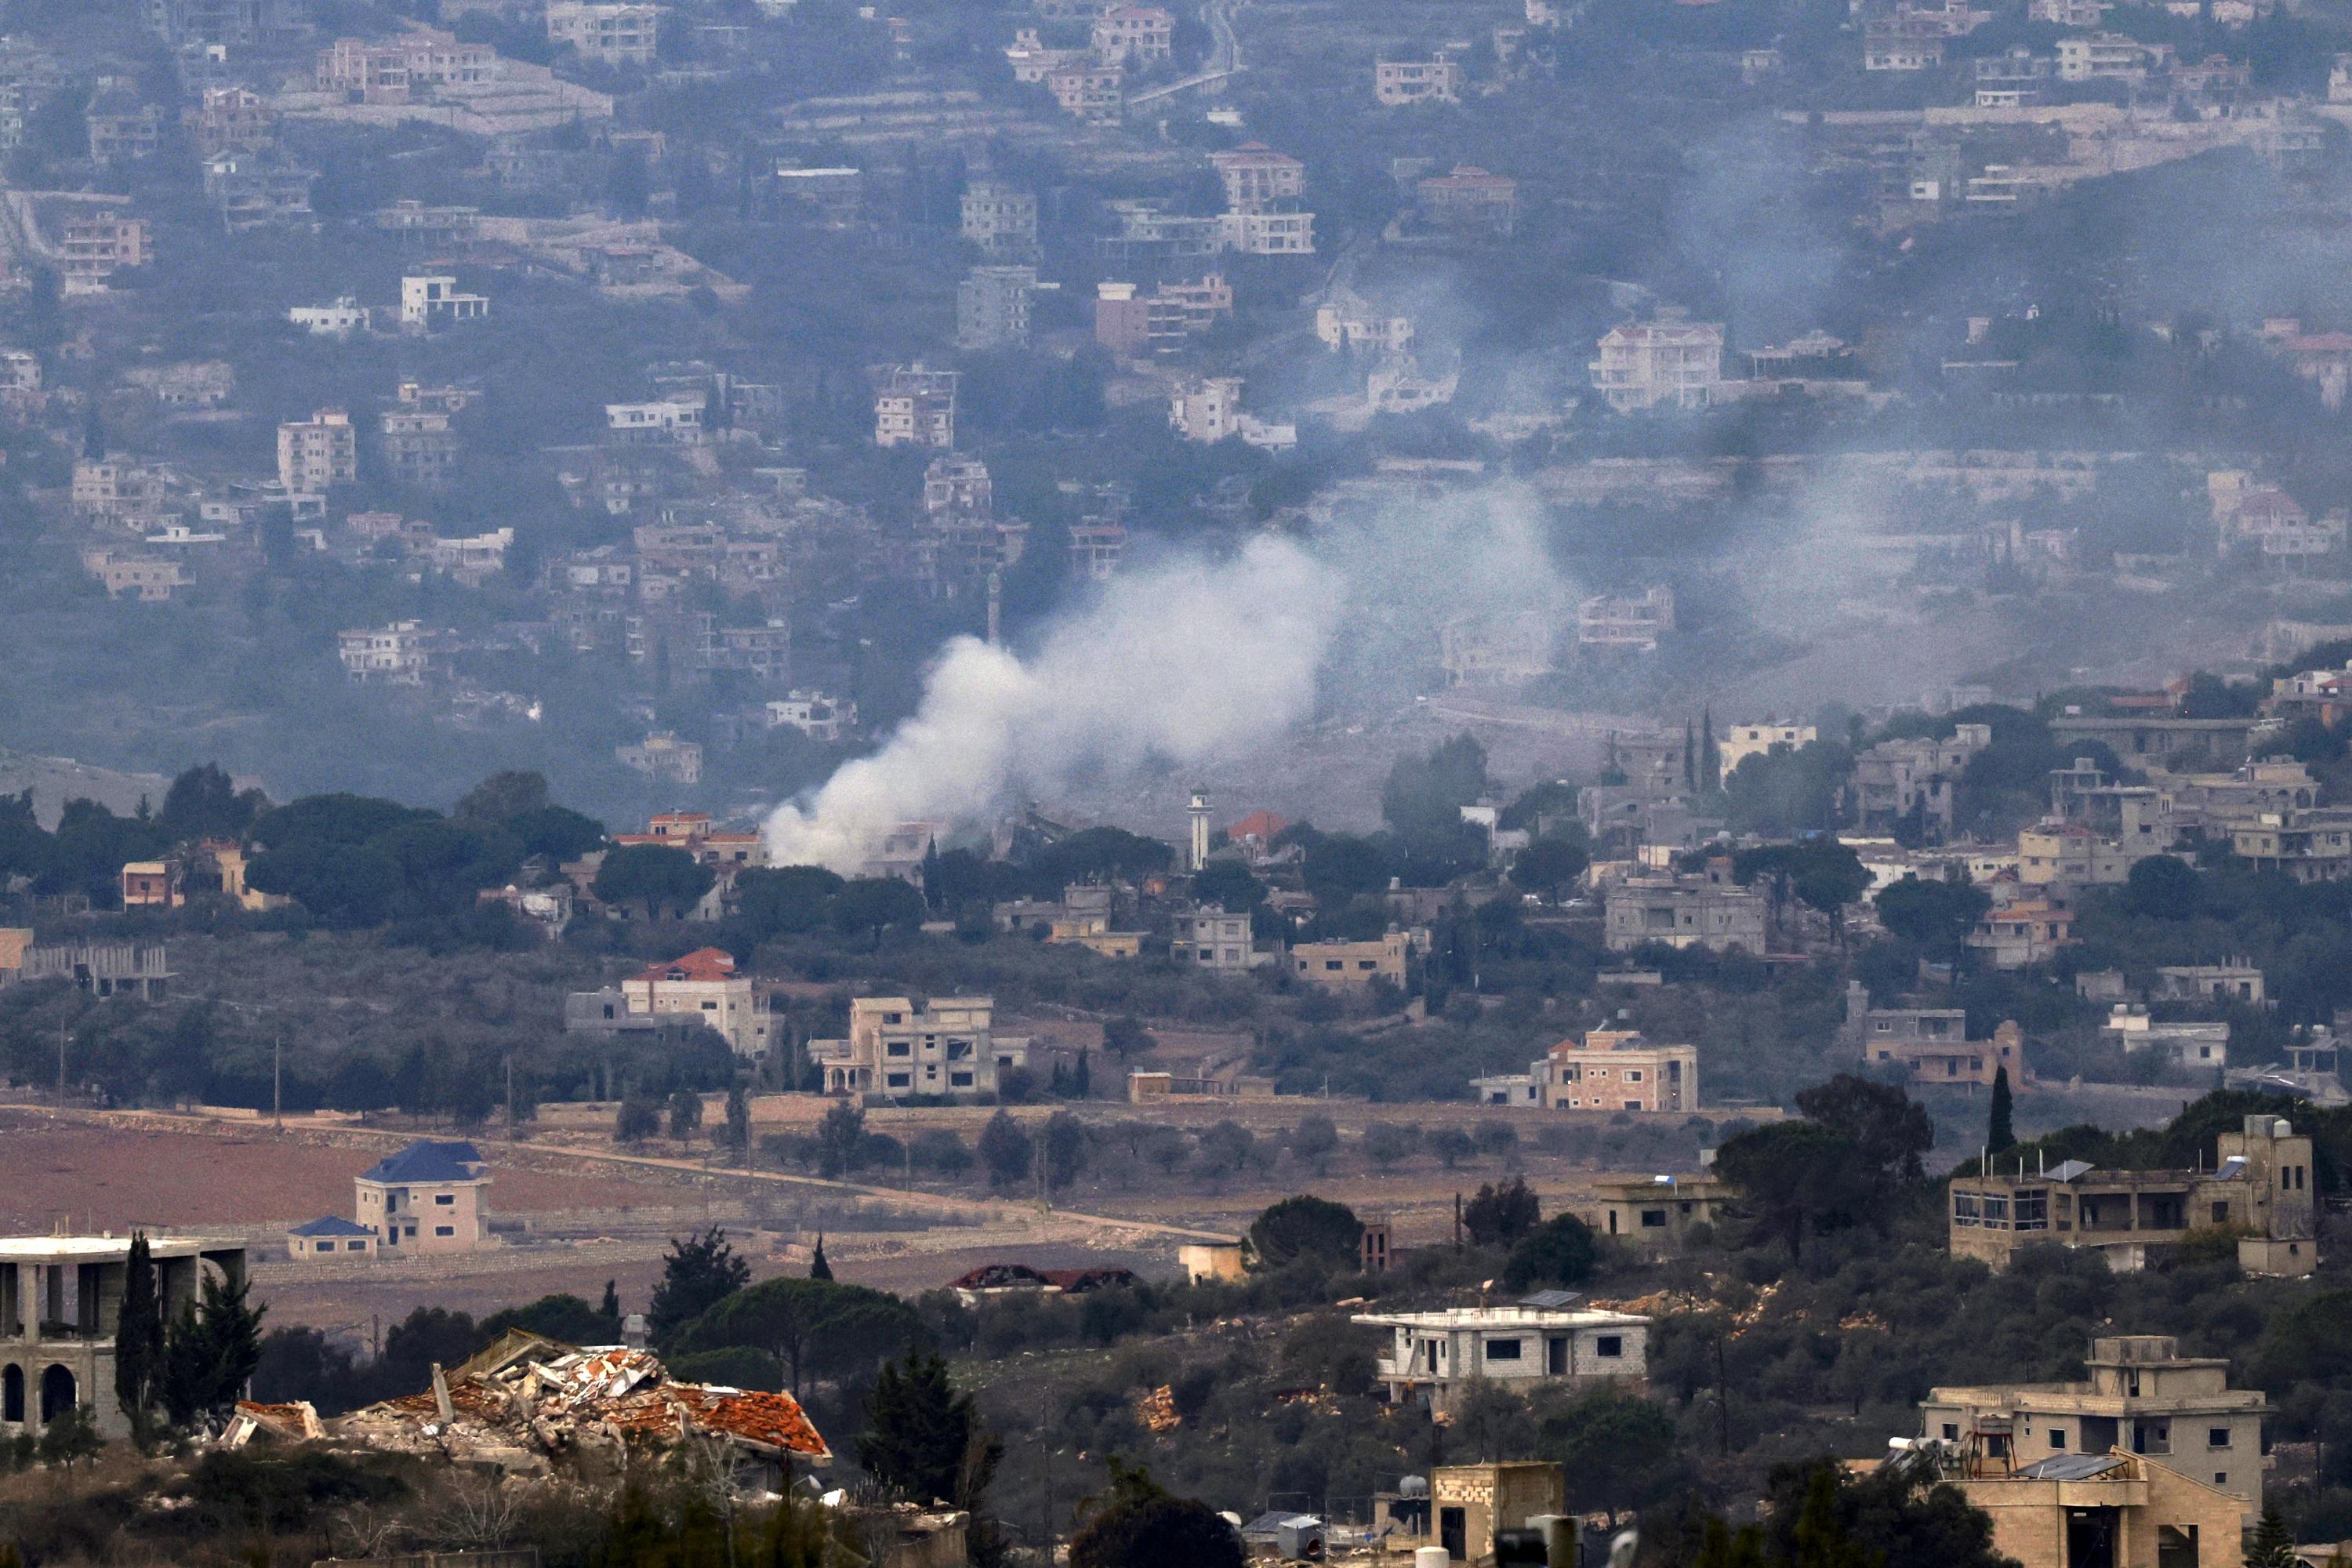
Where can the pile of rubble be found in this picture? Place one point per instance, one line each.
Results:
(526, 1400)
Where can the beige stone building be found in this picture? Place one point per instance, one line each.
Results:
(948, 1048)
(1654, 1214)
(1437, 1356)
(429, 1198)
(2111, 1511)
(1618, 1069)
(2142, 1397)
(1348, 966)
(704, 984)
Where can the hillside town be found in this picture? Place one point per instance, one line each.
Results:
(1014, 783)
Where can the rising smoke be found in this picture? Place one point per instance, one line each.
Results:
(1181, 662)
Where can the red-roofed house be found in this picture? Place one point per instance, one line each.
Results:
(1470, 199)
(704, 984)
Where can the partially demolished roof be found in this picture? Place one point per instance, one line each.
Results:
(539, 1395)
(294, 1423)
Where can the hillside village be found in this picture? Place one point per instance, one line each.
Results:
(1029, 782)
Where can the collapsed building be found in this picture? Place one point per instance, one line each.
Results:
(526, 1403)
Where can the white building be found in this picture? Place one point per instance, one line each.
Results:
(340, 319)
(1741, 741)
(618, 34)
(1399, 82)
(1667, 360)
(1210, 409)
(916, 406)
(1000, 218)
(426, 302)
(317, 453)
(813, 714)
(406, 653)
(1218, 943)
(704, 986)
(677, 419)
(1437, 1355)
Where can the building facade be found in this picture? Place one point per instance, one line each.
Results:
(60, 1308)
(429, 1198)
(948, 1049)
(1436, 1357)
(705, 985)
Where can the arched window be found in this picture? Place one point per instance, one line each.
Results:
(12, 1394)
(56, 1392)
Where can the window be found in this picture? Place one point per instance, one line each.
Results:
(710, 1006)
(1368, 964)
(1967, 1211)
(445, 1230)
(2221, 1214)
(959, 1080)
(1502, 1349)
(445, 1200)
(1654, 1219)
(2057, 1437)
(355, 1247)
(899, 1048)
(2216, 1437)
(2221, 1478)
(1632, 1075)
(899, 1080)
(323, 1246)
(1609, 1347)
(1333, 964)
(1951, 1431)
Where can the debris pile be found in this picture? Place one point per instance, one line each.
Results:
(526, 1400)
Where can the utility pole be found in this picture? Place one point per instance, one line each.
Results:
(61, 1067)
(277, 1082)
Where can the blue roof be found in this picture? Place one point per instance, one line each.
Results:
(426, 1161)
(333, 1224)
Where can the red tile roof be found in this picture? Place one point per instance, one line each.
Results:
(1260, 825)
(702, 963)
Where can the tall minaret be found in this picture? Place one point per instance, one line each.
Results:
(995, 607)
(1200, 814)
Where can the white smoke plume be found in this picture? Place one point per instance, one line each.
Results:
(1181, 661)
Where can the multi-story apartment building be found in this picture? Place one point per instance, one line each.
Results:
(233, 24)
(1665, 361)
(1625, 623)
(1095, 94)
(676, 420)
(992, 306)
(404, 69)
(706, 985)
(1267, 233)
(406, 653)
(234, 120)
(254, 190)
(916, 407)
(420, 445)
(2314, 845)
(94, 246)
(1740, 741)
(1259, 179)
(316, 453)
(2113, 57)
(2141, 1395)
(1931, 1044)
(425, 1200)
(1897, 779)
(1470, 200)
(1616, 1070)
(2260, 1187)
(948, 1048)
(1399, 82)
(1133, 35)
(1000, 218)
(340, 319)
(616, 34)
(122, 128)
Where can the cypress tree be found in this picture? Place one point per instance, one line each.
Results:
(139, 1339)
(1710, 761)
(818, 1267)
(2001, 1135)
(611, 1306)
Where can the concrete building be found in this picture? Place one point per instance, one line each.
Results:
(1399, 82)
(420, 445)
(1931, 1045)
(2232, 980)
(2069, 1510)
(2142, 1397)
(613, 34)
(916, 406)
(2112, 56)
(2012, 936)
(949, 1049)
(1466, 1504)
(317, 454)
(2192, 1048)
(430, 301)
(99, 968)
(1705, 910)
(406, 653)
(992, 306)
(60, 1306)
(820, 716)
(676, 420)
(1436, 1357)
(999, 218)
(410, 66)
(1654, 1214)
(1470, 201)
(1623, 623)
(1216, 941)
(2259, 1188)
(1209, 409)
(1740, 741)
(2068, 855)
(1258, 179)
(340, 319)
(1094, 94)
(1349, 321)
(1132, 35)
(1268, 233)
(428, 1199)
(1914, 776)
(1498, 650)
(2313, 846)
(1666, 362)
(1351, 966)
(704, 986)
(94, 246)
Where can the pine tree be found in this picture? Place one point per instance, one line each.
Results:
(2273, 1545)
(2001, 1135)
(818, 1267)
(139, 1340)
(210, 1353)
